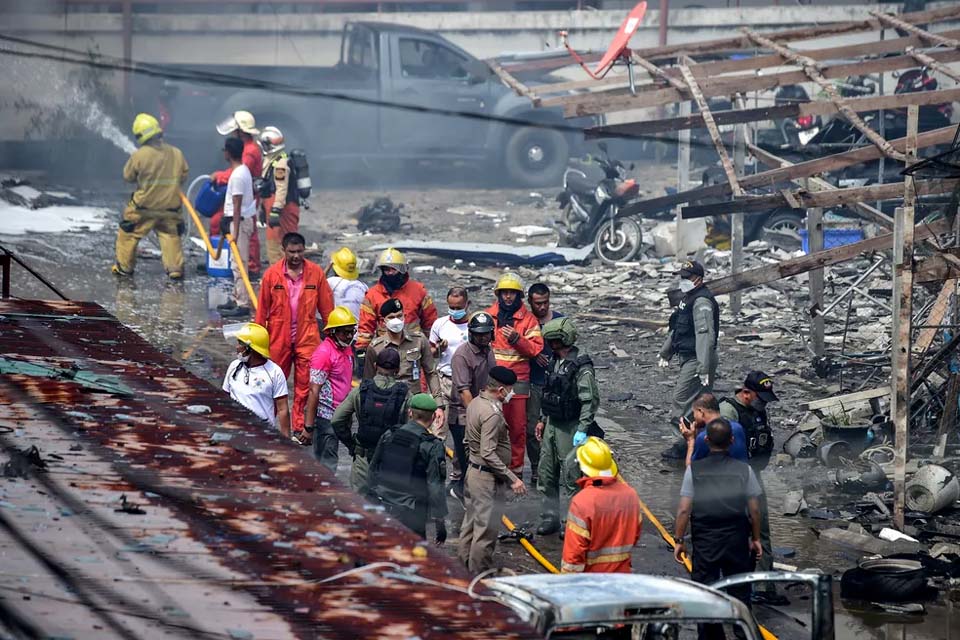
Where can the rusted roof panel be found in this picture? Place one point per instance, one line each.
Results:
(265, 511)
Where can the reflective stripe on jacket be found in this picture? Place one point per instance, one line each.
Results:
(517, 356)
(603, 525)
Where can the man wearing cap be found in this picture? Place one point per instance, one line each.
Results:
(416, 361)
(488, 472)
(379, 404)
(469, 368)
(693, 332)
(604, 521)
(408, 471)
(748, 406)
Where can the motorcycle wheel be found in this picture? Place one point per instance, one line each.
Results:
(619, 243)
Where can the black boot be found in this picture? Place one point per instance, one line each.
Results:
(549, 524)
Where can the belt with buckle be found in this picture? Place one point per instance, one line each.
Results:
(481, 467)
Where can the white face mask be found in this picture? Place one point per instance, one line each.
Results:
(245, 357)
(686, 285)
(394, 325)
(508, 397)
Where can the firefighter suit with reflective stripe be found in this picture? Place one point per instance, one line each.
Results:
(274, 313)
(603, 526)
(158, 169)
(516, 356)
(418, 309)
(282, 208)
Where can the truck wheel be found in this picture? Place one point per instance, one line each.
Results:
(536, 157)
(782, 229)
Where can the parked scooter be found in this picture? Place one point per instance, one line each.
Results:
(590, 206)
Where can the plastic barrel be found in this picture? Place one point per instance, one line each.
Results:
(222, 268)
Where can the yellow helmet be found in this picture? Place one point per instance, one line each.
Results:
(256, 337)
(340, 317)
(392, 258)
(509, 281)
(145, 126)
(596, 459)
(345, 263)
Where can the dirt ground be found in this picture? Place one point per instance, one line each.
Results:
(182, 320)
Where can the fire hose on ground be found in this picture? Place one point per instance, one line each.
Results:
(215, 253)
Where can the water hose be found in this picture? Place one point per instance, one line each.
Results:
(529, 546)
(215, 253)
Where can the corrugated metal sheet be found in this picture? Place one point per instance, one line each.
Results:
(260, 505)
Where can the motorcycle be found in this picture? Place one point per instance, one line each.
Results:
(590, 205)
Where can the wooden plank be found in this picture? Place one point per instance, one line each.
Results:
(949, 417)
(657, 73)
(846, 399)
(788, 173)
(520, 88)
(815, 280)
(795, 266)
(826, 199)
(931, 38)
(927, 61)
(937, 313)
(712, 130)
(683, 173)
(734, 116)
(819, 184)
(812, 69)
(653, 95)
(802, 33)
(736, 220)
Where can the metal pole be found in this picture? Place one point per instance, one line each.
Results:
(736, 219)
(815, 281)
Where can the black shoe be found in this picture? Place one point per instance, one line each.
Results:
(226, 306)
(548, 524)
(677, 451)
(236, 312)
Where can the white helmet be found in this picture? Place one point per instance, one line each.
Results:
(271, 139)
(242, 120)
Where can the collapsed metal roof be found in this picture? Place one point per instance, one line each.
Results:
(167, 509)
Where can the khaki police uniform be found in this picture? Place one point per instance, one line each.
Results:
(416, 362)
(488, 479)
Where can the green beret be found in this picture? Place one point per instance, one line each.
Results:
(424, 402)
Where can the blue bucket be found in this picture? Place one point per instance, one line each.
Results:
(222, 268)
(833, 238)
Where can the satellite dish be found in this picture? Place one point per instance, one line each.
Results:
(618, 48)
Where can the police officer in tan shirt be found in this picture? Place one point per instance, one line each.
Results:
(488, 472)
(416, 360)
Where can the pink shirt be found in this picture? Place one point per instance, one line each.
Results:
(332, 368)
(294, 289)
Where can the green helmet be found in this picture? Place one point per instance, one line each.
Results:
(561, 329)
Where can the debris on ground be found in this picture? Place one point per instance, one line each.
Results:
(381, 216)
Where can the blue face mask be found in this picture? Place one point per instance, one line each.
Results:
(458, 314)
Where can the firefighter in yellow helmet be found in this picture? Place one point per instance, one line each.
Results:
(257, 382)
(158, 169)
(418, 308)
(348, 289)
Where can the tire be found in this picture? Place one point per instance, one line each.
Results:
(536, 157)
(782, 229)
(621, 246)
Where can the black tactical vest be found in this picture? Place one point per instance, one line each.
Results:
(402, 469)
(561, 400)
(379, 411)
(756, 428)
(684, 337)
(720, 492)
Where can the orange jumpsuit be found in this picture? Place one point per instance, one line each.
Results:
(418, 309)
(516, 357)
(274, 313)
(253, 158)
(603, 526)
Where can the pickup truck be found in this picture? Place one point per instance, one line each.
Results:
(386, 101)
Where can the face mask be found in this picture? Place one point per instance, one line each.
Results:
(245, 358)
(458, 314)
(686, 285)
(508, 397)
(343, 345)
(759, 405)
(393, 282)
(394, 325)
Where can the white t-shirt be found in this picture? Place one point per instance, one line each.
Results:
(256, 387)
(455, 335)
(348, 293)
(240, 184)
